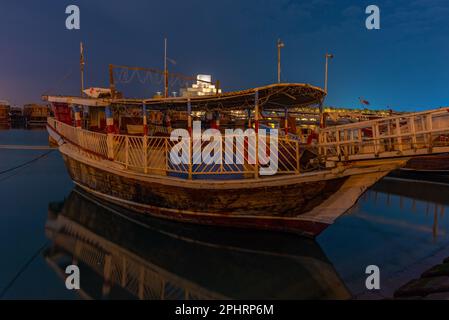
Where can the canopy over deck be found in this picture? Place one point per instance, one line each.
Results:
(275, 96)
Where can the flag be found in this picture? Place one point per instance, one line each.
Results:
(171, 60)
(363, 101)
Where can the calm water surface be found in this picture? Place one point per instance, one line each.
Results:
(46, 224)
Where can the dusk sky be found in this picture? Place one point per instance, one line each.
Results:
(404, 65)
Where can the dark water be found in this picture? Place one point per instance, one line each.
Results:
(46, 225)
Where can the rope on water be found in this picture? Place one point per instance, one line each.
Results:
(23, 268)
(27, 163)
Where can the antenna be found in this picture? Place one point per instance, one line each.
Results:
(165, 69)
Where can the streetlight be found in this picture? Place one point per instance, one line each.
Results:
(280, 45)
(328, 56)
(322, 116)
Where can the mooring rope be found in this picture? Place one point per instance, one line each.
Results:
(10, 176)
(41, 248)
(23, 268)
(27, 163)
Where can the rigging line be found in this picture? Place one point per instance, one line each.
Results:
(23, 269)
(27, 163)
(58, 83)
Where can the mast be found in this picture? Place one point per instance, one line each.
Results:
(82, 67)
(111, 80)
(280, 45)
(326, 69)
(326, 72)
(165, 70)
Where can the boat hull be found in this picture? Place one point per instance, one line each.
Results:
(275, 208)
(430, 168)
(434, 176)
(304, 204)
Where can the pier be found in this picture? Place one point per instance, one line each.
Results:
(25, 147)
(407, 135)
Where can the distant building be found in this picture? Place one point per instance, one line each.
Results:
(202, 87)
(35, 114)
(4, 113)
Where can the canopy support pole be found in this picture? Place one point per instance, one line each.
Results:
(145, 119)
(286, 121)
(189, 116)
(77, 110)
(110, 132)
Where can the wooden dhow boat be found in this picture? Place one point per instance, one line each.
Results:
(119, 150)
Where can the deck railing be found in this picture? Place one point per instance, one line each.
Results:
(405, 135)
(94, 142)
(149, 154)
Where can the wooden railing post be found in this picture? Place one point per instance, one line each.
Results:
(350, 145)
(167, 155)
(77, 113)
(189, 128)
(145, 138)
(256, 120)
(389, 135)
(320, 143)
(110, 131)
(375, 131)
(110, 144)
(145, 153)
(107, 270)
(223, 148)
(347, 144)
(337, 138)
(398, 134)
(126, 152)
(298, 162)
(190, 169)
(324, 141)
(413, 132)
(429, 129)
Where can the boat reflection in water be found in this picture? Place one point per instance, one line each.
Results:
(414, 197)
(401, 226)
(121, 255)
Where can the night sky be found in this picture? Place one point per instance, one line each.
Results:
(404, 65)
